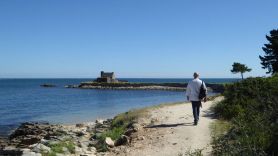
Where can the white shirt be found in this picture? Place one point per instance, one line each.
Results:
(193, 89)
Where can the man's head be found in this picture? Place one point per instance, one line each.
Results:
(195, 75)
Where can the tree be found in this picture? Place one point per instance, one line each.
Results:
(270, 60)
(240, 68)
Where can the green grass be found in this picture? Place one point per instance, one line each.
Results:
(219, 128)
(189, 152)
(58, 147)
(119, 125)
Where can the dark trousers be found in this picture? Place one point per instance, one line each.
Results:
(196, 109)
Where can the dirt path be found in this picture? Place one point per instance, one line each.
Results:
(169, 131)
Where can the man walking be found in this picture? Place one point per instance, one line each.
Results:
(193, 95)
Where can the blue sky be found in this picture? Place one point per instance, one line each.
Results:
(134, 38)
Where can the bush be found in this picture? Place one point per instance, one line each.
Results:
(252, 107)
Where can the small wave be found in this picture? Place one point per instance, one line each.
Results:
(5, 130)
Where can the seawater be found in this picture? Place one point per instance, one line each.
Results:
(23, 100)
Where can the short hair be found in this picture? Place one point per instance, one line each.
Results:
(196, 74)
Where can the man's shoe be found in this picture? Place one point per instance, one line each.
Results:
(195, 122)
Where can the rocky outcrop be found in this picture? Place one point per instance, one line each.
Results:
(30, 133)
(48, 85)
(37, 138)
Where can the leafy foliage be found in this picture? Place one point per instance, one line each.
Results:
(240, 68)
(252, 107)
(270, 60)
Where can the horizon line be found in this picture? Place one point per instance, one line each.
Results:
(118, 78)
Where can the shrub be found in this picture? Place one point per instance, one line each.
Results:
(252, 107)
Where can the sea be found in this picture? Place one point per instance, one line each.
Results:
(24, 100)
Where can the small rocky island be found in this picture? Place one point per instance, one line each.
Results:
(107, 80)
(47, 85)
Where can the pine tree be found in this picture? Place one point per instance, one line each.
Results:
(240, 68)
(270, 60)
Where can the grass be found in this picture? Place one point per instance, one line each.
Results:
(219, 127)
(119, 125)
(189, 152)
(58, 147)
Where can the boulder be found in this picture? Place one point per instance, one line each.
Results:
(40, 148)
(136, 127)
(30, 153)
(9, 150)
(129, 132)
(29, 140)
(80, 125)
(30, 133)
(109, 142)
(80, 133)
(123, 140)
(99, 121)
(95, 136)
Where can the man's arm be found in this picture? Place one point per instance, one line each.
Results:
(205, 87)
(188, 91)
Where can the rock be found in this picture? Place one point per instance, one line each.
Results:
(3, 143)
(100, 130)
(85, 144)
(30, 133)
(78, 150)
(109, 142)
(48, 85)
(90, 128)
(66, 151)
(10, 151)
(40, 148)
(29, 140)
(80, 133)
(141, 138)
(60, 154)
(28, 152)
(95, 136)
(80, 125)
(129, 132)
(123, 140)
(92, 149)
(44, 141)
(99, 121)
(136, 127)
(87, 154)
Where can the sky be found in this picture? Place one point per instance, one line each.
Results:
(133, 38)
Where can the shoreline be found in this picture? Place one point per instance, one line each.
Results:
(78, 132)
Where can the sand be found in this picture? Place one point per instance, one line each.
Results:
(169, 131)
